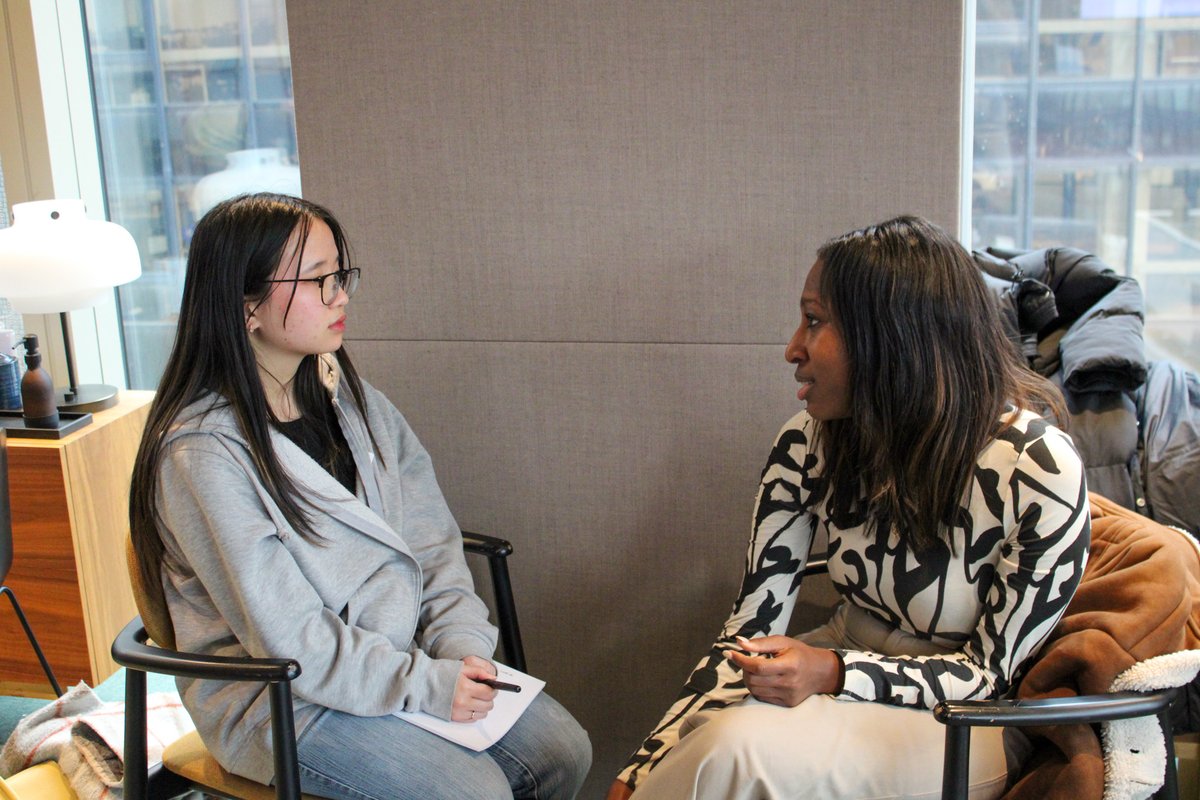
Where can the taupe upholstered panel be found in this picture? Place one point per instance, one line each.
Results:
(626, 489)
(615, 171)
(584, 227)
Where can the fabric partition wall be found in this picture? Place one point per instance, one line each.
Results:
(583, 228)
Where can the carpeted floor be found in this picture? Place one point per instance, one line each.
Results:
(112, 690)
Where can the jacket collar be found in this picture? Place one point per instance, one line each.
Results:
(212, 414)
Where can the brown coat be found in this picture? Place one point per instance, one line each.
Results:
(1139, 598)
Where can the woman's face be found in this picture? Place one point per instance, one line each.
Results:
(819, 353)
(282, 336)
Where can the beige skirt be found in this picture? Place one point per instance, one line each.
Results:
(826, 748)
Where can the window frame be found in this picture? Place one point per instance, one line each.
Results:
(45, 85)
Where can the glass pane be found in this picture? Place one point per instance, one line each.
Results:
(1090, 9)
(987, 10)
(1082, 208)
(1115, 164)
(997, 206)
(1088, 54)
(1173, 53)
(268, 24)
(200, 136)
(1166, 258)
(9, 320)
(1074, 122)
(1001, 122)
(1169, 119)
(273, 79)
(1001, 60)
(194, 102)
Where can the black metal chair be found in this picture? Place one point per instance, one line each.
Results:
(6, 562)
(187, 765)
(962, 715)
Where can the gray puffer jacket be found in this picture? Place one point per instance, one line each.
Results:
(1136, 423)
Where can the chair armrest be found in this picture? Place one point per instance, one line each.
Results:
(490, 546)
(1054, 711)
(962, 715)
(497, 552)
(820, 566)
(129, 649)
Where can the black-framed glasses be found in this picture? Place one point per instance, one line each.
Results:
(343, 279)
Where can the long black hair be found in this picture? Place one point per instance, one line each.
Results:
(234, 252)
(931, 374)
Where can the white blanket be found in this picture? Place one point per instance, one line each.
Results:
(1135, 752)
(86, 736)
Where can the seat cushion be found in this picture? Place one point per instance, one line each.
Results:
(44, 781)
(189, 758)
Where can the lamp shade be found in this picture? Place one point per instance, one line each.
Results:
(54, 259)
(259, 170)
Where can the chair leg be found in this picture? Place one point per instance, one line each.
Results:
(33, 641)
(506, 611)
(135, 735)
(283, 732)
(956, 765)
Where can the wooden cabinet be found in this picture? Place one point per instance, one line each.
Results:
(70, 514)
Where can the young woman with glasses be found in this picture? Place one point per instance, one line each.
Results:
(286, 509)
(957, 527)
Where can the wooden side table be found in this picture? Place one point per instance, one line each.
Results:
(70, 513)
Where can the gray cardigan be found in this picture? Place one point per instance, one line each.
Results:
(378, 614)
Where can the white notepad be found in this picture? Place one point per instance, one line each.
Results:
(483, 733)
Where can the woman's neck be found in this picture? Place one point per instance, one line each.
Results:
(280, 389)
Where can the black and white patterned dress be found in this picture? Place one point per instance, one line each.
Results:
(1021, 545)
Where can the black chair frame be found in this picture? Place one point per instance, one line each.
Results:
(132, 651)
(962, 715)
(33, 642)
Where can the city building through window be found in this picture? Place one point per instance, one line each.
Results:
(194, 104)
(1087, 134)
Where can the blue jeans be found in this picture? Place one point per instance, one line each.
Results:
(545, 756)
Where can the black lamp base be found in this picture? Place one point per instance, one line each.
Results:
(89, 397)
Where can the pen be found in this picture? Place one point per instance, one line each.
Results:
(498, 685)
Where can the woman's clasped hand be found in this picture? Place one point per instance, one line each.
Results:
(783, 670)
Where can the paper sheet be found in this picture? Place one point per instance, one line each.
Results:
(483, 733)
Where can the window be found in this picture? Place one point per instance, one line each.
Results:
(194, 104)
(1087, 134)
(9, 319)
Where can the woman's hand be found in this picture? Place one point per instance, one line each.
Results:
(473, 700)
(783, 670)
(618, 791)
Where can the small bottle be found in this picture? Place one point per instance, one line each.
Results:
(37, 389)
(10, 373)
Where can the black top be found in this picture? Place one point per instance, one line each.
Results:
(306, 433)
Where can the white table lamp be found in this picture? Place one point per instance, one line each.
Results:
(53, 259)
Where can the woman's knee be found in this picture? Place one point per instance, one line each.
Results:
(569, 757)
(734, 739)
(547, 755)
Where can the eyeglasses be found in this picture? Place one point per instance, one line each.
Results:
(344, 279)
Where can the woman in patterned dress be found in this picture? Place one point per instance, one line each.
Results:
(957, 524)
